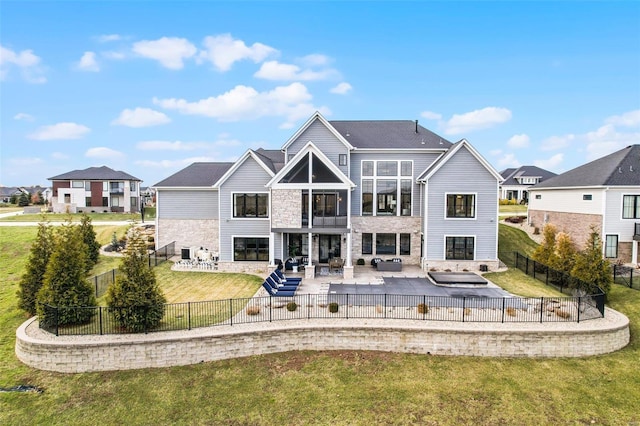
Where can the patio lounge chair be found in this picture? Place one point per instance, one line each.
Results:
(280, 283)
(283, 278)
(277, 293)
(277, 286)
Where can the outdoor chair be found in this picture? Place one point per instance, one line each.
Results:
(277, 293)
(283, 278)
(276, 286)
(280, 283)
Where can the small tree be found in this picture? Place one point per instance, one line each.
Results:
(590, 266)
(65, 286)
(89, 238)
(545, 252)
(13, 199)
(565, 253)
(23, 200)
(136, 299)
(33, 277)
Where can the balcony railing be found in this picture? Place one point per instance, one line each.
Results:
(328, 222)
(636, 232)
(119, 190)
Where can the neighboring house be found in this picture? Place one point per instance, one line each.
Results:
(517, 182)
(96, 189)
(604, 193)
(6, 192)
(33, 191)
(339, 189)
(147, 195)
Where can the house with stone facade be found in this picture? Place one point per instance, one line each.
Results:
(346, 190)
(96, 189)
(604, 194)
(517, 181)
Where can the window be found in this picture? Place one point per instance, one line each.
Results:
(631, 207)
(250, 205)
(115, 202)
(67, 198)
(385, 243)
(251, 249)
(301, 244)
(367, 197)
(390, 194)
(342, 159)
(77, 184)
(405, 244)
(87, 201)
(87, 186)
(587, 197)
(105, 186)
(461, 206)
(290, 157)
(134, 201)
(459, 248)
(105, 201)
(367, 243)
(538, 197)
(132, 186)
(611, 246)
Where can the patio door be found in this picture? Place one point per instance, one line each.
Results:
(328, 247)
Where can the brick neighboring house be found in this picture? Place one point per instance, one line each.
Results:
(339, 189)
(96, 189)
(604, 193)
(517, 182)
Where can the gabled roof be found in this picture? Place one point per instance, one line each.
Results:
(436, 165)
(621, 168)
(195, 175)
(389, 134)
(95, 173)
(273, 158)
(316, 117)
(510, 175)
(262, 161)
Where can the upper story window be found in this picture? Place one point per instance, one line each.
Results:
(389, 192)
(87, 186)
(105, 186)
(342, 159)
(631, 207)
(587, 197)
(77, 184)
(251, 205)
(461, 206)
(132, 186)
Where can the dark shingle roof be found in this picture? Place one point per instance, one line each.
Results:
(617, 169)
(510, 175)
(273, 158)
(95, 173)
(196, 174)
(389, 134)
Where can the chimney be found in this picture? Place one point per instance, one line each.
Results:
(416, 126)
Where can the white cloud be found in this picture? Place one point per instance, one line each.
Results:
(429, 115)
(88, 62)
(114, 55)
(171, 146)
(243, 102)
(508, 160)
(495, 152)
(23, 116)
(518, 141)
(315, 60)
(555, 143)
(59, 156)
(140, 117)
(60, 131)
(223, 51)
(628, 119)
(476, 120)
(105, 38)
(26, 61)
(169, 51)
(341, 89)
(26, 161)
(550, 163)
(103, 152)
(173, 164)
(274, 70)
(607, 139)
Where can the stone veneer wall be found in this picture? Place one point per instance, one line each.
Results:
(625, 251)
(577, 225)
(187, 233)
(257, 268)
(286, 208)
(124, 352)
(390, 225)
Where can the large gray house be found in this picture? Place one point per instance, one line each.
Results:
(339, 189)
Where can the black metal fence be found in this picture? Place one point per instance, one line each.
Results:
(626, 275)
(229, 312)
(103, 281)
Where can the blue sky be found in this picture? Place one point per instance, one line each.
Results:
(150, 87)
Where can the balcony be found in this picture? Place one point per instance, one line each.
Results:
(329, 222)
(116, 190)
(636, 232)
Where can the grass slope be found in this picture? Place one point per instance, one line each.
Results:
(343, 388)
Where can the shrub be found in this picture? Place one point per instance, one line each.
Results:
(562, 314)
(33, 277)
(333, 307)
(423, 308)
(467, 312)
(89, 238)
(379, 309)
(511, 311)
(292, 306)
(253, 310)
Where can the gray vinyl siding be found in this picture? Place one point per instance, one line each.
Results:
(420, 164)
(462, 174)
(324, 140)
(187, 204)
(249, 177)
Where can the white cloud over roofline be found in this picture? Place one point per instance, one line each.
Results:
(223, 51)
(341, 89)
(103, 152)
(476, 120)
(60, 131)
(518, 141)
(141, 117)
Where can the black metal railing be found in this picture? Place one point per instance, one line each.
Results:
(636, 232)
(229, 312)
(626, 276)
(103, 281)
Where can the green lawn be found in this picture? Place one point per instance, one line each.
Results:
(513, 208)
(63, 217)
(340, 387)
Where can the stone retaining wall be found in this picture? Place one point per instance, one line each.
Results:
(75, 354)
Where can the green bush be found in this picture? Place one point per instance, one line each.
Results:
(333, 307)
(292, 306)
(423, 308)
(33, 278)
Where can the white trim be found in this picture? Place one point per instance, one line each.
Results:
(398, 178)
(233, 206)
(475, 246)
(436, 165)
(475, 206)
(305, 126)
(233, 236)
(238, 163)
(604, 245)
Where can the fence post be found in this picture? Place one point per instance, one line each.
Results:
(56, 318)
(189, 314)
(579, 303)
(347, 305)
(464, 306)
(615, 270)
(534, 269)
(231, 311)
(100, 314)
(308, 306)
(113, 275)
(270, 308)
(385, 305)
(95, 280)
(517, 256)
(504, 299)
(547, 279)
(527, 266)
(541, 308)
(424, 304)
